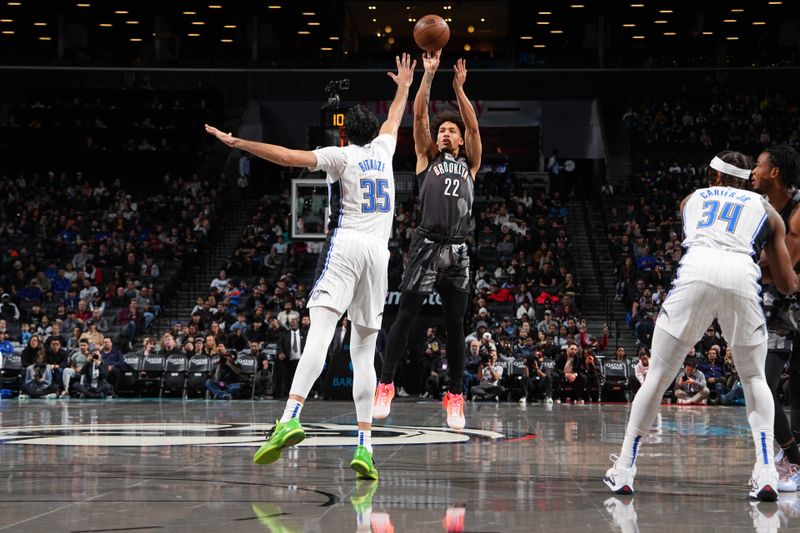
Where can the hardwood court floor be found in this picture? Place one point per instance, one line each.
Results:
(126, 465)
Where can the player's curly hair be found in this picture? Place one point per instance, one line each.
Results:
(786, 159)
(736, 159)
(360, 125)
(446, 116)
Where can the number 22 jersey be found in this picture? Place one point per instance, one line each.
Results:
(446, 191)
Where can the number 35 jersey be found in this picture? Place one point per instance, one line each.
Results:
(728, 219)
(360, 186)
(446, 191)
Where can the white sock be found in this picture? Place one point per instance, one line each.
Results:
(365, 439)
(630, 449)
(760, 407)
(292, 410)
(763, 441)
(664, 364)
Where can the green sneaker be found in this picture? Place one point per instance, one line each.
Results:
(362, 464)
(282, 436)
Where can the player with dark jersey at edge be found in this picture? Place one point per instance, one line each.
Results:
(777, 175)
(438, 256)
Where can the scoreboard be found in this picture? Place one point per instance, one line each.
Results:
(332, 127)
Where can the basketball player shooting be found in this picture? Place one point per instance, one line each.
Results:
(352, 272)
(438, 256)
(723, 224)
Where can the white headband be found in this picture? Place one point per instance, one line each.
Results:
(727, 168)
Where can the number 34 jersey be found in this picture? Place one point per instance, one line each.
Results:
(446, 191)
(727, 219)
(360, 186)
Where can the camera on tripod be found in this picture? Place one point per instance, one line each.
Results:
(333, 89)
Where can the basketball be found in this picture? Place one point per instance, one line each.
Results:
(431, 33)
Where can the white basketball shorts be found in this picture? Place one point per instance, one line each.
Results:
(352, 276)
(713, 284)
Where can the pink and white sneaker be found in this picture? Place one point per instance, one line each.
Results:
(382, 403)
(454, 405)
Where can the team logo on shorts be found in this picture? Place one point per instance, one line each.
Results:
(228, 435)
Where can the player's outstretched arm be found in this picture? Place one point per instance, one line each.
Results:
(423, 144)
(279, 155)
(472, 136)
(780, 262)
(403, 79)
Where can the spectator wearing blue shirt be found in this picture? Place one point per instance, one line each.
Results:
(6, 348)
(712, 369)
(61, 283)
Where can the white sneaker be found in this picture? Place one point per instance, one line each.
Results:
(51, 396)
(788, 476)
(623, 513)
(523, 400)
(382, 403)
(548, 400)
(620, 479)
(454, 406)
(401, 392)
(23, 397)
(764, 484)
(680, 401)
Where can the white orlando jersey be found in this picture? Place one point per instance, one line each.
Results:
(360, 186)
(724, 218)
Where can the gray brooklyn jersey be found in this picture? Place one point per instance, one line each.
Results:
(446, 191)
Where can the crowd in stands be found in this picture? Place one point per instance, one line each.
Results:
(85, 267)
(103, 120)
(692, 124)
(645, 232)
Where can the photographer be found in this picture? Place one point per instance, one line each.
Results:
(490, 373)
(93, 382)
(76, 362)
(437, 380)
(537, 380)
(38, 380)
(690, 386)
(225, 381)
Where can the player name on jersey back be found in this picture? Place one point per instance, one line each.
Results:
(372, 164)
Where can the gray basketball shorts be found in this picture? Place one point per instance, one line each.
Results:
(435, 266)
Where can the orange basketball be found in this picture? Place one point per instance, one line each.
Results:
(431, 33)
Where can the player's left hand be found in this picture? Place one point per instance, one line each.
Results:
(405, 71)
(460, 68)
(226, 138)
